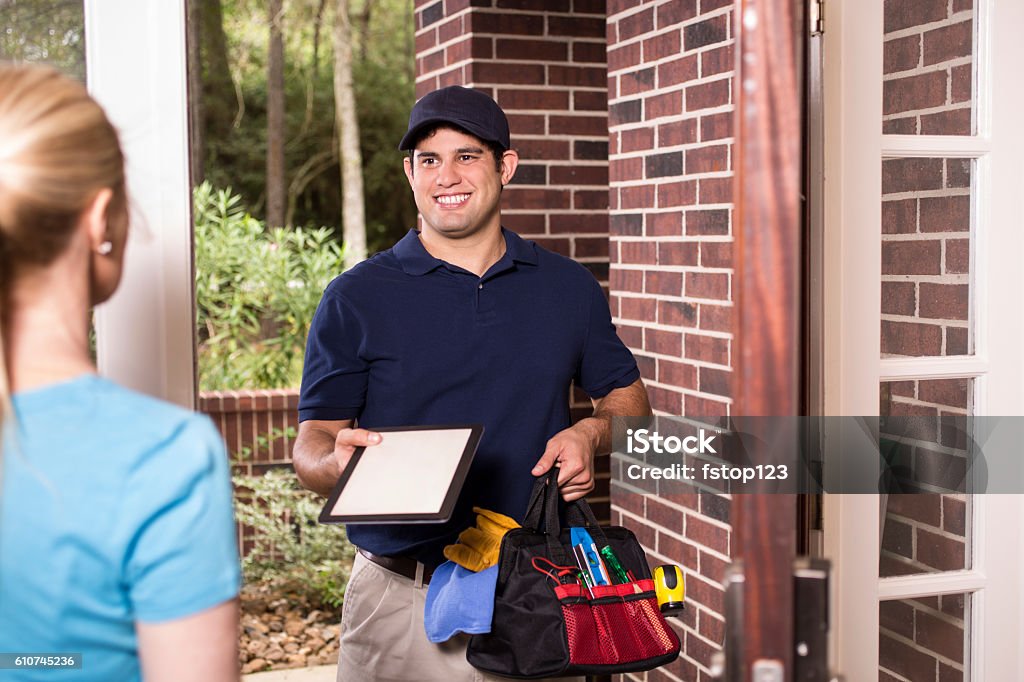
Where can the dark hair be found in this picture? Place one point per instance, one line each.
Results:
(497, 151)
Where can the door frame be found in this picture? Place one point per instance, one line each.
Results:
(136, 69)
(854, 148)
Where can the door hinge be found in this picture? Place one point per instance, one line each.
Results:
(816, 25)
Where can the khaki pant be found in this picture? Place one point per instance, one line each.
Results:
(382, 635)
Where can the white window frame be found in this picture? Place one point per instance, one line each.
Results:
(136, 66)
(854, 148)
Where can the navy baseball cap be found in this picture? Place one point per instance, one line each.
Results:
(465, 108)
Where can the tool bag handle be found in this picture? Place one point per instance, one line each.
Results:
(545, 502)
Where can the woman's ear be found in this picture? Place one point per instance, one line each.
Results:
(94, 221)
(106, 247)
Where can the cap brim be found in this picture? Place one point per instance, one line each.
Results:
(410, 137)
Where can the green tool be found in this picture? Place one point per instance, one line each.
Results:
(614, 566)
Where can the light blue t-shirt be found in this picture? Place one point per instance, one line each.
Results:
(115, 508)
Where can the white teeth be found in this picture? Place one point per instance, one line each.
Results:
(452, 199)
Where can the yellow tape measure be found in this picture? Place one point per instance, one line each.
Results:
(670, 588)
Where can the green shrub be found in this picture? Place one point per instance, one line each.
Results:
(256, 292)
(293, 551)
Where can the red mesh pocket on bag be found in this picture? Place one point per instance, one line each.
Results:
(653, 632)
(585, 647)
(621, 624)
(618, 634)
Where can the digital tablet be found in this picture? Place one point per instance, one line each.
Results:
(414, 475)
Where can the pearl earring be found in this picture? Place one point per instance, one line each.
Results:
(105, 248)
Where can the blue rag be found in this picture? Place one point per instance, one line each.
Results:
(459, 600)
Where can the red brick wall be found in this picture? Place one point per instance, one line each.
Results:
(926, 241)
(927, 65)
(928, 86)
(256, 426)
(246, 417)
(670, 73)
(923, 639)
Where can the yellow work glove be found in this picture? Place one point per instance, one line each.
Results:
(478, 546)
(494, 523)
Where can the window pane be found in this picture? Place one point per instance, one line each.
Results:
(924, 639)
(928, 68)
(926, 532)
(926, 257)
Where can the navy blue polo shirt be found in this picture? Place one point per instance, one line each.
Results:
(404, 338)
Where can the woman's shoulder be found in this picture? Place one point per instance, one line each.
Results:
(155, 425)
(131, 425)
(145, 412)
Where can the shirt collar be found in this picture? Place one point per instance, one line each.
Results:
(411, 255)
(520, 250)
(415, 260)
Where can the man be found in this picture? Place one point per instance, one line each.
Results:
(462, 322)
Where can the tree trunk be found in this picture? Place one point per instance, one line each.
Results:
(220, 103)
(318, 23)
(196, 107)
(350, 156)
(364, 28)
(275, 119)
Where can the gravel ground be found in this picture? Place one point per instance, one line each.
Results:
(281, 631)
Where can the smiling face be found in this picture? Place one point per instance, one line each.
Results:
(457, 183)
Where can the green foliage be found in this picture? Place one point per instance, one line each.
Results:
(293, 551)
(256, 292)
(384, 83)
(50, 31)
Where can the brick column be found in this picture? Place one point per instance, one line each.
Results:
(670, 73)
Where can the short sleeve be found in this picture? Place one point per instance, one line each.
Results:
(182, 556)
(334, 375)
(605, 363)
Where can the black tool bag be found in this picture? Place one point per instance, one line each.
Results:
(547, 623)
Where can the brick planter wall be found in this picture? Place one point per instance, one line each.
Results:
(244, 418)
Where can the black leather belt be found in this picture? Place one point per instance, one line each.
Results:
(402, 565)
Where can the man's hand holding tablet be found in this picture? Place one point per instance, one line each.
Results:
(407, 474)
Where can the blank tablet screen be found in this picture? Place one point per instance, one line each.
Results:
(411, 475)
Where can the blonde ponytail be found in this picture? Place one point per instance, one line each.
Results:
(57, 150)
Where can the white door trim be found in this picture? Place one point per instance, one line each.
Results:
(135, 57)
(852, 180)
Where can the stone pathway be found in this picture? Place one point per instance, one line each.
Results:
(279, 633)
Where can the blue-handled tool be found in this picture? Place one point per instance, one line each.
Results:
(580, 537)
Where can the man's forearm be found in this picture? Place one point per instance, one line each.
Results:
(628, 401)
(314, 461)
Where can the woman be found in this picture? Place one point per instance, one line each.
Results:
(116, 531)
